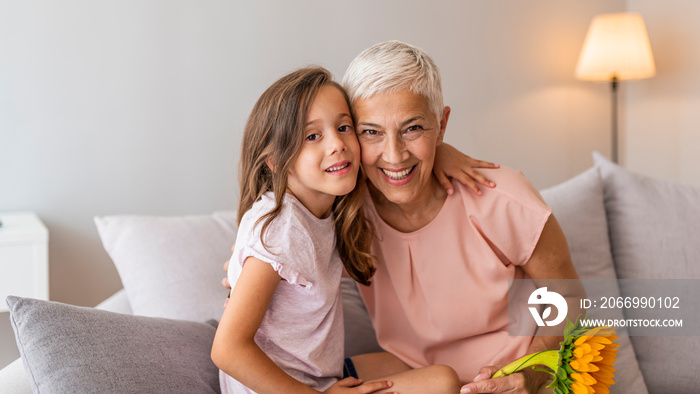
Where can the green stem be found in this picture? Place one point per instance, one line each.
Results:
(548, 358)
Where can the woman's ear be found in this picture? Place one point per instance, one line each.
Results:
(443, 122)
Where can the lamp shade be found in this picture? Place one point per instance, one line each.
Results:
(616, 46)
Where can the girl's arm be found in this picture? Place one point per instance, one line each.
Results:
(451, 163)
(235, 352)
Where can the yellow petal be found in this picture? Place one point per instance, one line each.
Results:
(606, 361)
(582, 349)
(603, 340)
(600, 389)
(605, 373)
(583, 367)
(580, 388)
(594, 331)
(584, 378)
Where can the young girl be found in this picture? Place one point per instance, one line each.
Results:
(300, 220)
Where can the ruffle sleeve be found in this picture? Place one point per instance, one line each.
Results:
(289, 248)
(286, 268)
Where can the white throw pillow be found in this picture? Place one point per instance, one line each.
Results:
(171, 266)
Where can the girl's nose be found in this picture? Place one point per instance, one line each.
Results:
(335, 143)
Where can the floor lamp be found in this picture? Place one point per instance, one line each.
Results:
(616, 49)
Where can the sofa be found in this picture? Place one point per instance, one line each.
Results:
(155, 334)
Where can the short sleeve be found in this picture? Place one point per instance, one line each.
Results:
(281, 263)
(510, 216)
(289, 248)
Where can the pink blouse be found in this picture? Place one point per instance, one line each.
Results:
(440, 294)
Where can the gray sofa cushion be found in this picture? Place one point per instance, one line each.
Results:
(171, 266)
(655, 233)
(360, 337)
(579, 208)
(70, 349)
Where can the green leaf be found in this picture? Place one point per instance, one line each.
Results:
(561, 373)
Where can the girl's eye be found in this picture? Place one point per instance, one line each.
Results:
(313, 137)
(345, 128)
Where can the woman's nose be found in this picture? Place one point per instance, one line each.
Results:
(395, 150)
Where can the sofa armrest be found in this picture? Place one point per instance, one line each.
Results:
(14, 380)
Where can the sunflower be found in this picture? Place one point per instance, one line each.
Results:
(582, 365)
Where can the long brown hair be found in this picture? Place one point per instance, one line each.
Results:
(272, 140)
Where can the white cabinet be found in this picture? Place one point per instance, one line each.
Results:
(24, 260)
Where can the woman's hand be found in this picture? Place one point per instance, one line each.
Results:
(224, 282)
(451, 163)
(350, 386)
(525, 381)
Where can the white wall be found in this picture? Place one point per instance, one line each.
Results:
(112, 107)
(662, 114)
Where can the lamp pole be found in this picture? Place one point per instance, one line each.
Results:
(613, 146)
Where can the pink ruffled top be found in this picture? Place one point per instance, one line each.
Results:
(302, 331)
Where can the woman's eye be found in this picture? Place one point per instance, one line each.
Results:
(313, 137)
(369, 132)
(415, 128)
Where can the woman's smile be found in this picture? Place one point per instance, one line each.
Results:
(398, 174)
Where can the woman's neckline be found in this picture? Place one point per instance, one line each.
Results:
(434, 219)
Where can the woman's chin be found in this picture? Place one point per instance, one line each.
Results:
(396, 194)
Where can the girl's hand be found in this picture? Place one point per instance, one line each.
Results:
(451, 163)
(348, 386)
(523, 382)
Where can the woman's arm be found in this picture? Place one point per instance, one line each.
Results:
(451, 163)
(549, 260)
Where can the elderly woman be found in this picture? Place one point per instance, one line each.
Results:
(439, 295)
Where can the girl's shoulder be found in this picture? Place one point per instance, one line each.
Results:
(293, 219)
(253, 219)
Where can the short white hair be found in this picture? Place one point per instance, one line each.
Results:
(392, 66)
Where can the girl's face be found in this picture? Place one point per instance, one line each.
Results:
(329, 160)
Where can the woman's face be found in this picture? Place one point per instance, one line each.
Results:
(398, 135)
